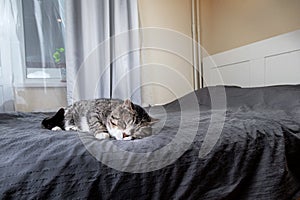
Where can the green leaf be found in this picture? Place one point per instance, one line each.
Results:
(56, 57)
(61, 50)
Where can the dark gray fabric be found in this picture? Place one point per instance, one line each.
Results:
(256, 156)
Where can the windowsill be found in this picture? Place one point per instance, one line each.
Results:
(41, 84)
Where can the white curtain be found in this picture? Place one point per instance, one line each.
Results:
(102, 49)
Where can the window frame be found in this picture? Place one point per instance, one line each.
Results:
(20, 72)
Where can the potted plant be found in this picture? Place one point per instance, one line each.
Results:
(59, 59)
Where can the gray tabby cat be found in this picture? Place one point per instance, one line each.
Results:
(122, 120)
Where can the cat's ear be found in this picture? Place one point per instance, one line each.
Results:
(128, 104)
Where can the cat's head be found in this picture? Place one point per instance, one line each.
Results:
(127, 119)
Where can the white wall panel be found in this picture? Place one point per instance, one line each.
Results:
(257, 72)
(235, 74)
(283, 68)
(273, 61)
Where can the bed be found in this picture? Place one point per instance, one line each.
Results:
(253, 154)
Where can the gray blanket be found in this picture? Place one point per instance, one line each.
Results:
(244, 145)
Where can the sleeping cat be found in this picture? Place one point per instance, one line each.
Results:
(122, 120)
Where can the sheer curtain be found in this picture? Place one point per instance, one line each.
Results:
(31, 31)
(102, 49)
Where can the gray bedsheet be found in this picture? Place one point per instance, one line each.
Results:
(255, 156)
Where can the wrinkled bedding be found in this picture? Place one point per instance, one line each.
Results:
(247, 150)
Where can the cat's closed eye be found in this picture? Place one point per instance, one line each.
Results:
(113, 123)
(115, 117)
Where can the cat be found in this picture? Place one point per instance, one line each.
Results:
(105, 118)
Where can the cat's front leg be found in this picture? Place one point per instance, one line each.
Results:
(97, 127)
(100, 133)
(101, 136)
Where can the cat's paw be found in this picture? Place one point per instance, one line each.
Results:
(72, 128)
(56, 128)
(101, 136)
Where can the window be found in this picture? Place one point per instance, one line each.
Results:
(43, 23)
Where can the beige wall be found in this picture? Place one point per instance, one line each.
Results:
(227, 24)
(166, 75)
(40, 99)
